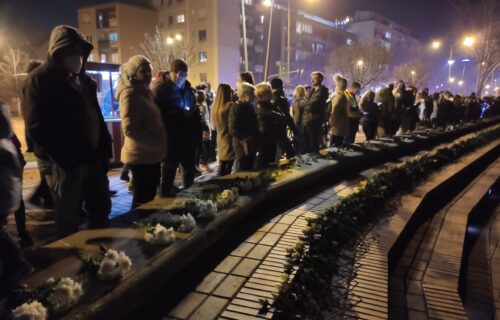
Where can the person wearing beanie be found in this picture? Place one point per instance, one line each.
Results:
(281, 105)
(314, 114)
(177, 102)
(353, 113)
(338, 120)
(69, 133)
(145, 144)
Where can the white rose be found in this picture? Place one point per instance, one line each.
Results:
(65, 294)
(188, 223)
(30, 311)
(115, 265)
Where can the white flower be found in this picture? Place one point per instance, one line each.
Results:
(187, 223)
(160, 235)
(30, 311)
(115, 265)
(207, 208)
(65, 294)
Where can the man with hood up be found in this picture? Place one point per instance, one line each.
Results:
(69, 133)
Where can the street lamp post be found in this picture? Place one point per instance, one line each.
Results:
(266, 68)
(245, 41)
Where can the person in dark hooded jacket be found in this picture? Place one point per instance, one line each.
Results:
(177, 101)
(69, 133)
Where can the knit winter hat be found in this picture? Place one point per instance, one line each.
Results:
(128, 71)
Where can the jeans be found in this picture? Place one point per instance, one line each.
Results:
(145, 182)
(88, 185)
(352, 130)
(184, 156)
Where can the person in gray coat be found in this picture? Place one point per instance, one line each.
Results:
(338, 118)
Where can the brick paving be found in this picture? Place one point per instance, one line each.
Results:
(253, 271)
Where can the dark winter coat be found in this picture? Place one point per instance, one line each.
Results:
(281, 102)
(242, 125)
(181, 115)
(371, 112)
(64, 117)
(298, 110)
(314, 108)
(386, 100)
(270, 121)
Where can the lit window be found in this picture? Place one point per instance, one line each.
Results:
(103, 57)
(262, 19)
(248, 2)
(113, 37)
(388, 35)
(203, 56)
(181, 18)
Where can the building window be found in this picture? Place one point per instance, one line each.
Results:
(303, 27)
(203, 56)
(115, 58)
(203, 77)
(170, 20)
(262, 18)
(181, 18)
(202, 35)
(103, 58)
(113, 37)
(248, 2)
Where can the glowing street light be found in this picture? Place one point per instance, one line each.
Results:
(469, 41)
(267, 3)
(436, 45)
(451, 80)
(413, 72)
(460, 83)
(178, 37)
(451, 62)
(360, 63)
(170, 41)
(487, 86)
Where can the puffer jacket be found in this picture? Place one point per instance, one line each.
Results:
(338, 118)
(142, 125)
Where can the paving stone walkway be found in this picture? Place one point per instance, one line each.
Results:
(253, 271)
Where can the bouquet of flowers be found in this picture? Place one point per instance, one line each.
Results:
(159, 235)
(30, 311)
(227, 198)
(65, 293)
(187, 223)
(114, 265)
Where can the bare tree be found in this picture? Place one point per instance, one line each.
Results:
(12, 65)
(479, 20)
(414, 73)
(361, 62)
(161, 50)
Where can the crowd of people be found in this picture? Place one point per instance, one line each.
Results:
(169, 124)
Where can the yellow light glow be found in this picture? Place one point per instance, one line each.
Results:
(413, 72)
(460, 82)
(436, 44)
(451, 80)
(178, 37)
(360, 63)
(267, 3)
(469, 41)
(170, 40)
